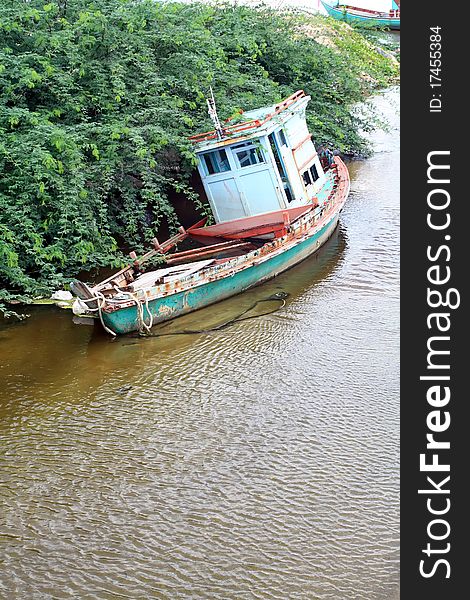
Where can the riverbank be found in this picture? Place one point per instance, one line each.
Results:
(98, 101)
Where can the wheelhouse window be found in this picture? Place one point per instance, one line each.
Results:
(248, 155)
(314, 172)
(307, 178)
(282, 137)
(216, 162)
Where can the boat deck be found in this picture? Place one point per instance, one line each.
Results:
(326, 190)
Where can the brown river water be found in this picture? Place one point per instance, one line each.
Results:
(259, 461)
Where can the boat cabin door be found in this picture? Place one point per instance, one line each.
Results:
(255, 178)
(240, 181)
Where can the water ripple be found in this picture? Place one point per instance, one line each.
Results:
(260, 461)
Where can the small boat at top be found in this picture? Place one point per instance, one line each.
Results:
(377, 13)
(275, 201)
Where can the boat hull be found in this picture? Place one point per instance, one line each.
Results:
(126, 320)
(370, 21)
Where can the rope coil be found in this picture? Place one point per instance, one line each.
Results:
(145, 329)
(100, 301)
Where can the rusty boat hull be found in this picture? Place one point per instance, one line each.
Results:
(220, 281)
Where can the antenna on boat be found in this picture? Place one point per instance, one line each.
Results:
(214, 116)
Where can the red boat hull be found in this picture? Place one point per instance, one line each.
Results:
(273, 222)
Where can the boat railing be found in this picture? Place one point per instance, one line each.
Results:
(248, 125)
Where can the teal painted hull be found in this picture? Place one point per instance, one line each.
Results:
(343, 15)
(125, 320)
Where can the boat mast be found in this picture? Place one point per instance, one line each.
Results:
(214, 116)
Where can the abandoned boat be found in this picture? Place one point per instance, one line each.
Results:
(376, 13)
(275, 201)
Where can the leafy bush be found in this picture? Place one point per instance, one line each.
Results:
(97, 99)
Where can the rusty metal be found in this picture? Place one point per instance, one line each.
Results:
(253, 124)
(251, 226)
(126, 273)
(196, 251)
(208, 251)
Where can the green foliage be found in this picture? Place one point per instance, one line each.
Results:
(97, 99)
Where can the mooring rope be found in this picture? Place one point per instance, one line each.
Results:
(144, 328)
(277, 297)
(140, 313)
(100, 301)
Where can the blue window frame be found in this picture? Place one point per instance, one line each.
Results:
(216, 162)
(314, 172)
(248, 155)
